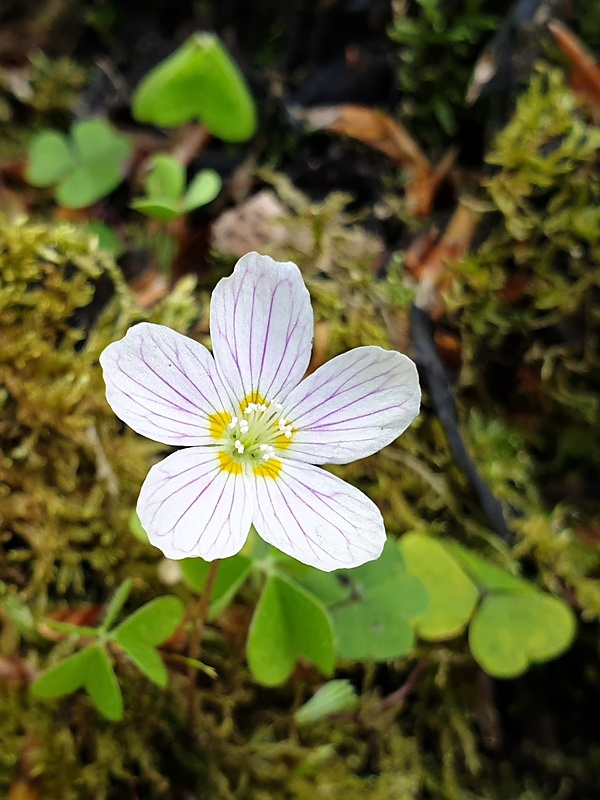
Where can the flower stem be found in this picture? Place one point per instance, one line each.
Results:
(198, 616)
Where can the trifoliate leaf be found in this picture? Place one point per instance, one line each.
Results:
(199, 81)
(116, 603)
(203, 189)
(153, 623)
(160, 208)
(89, 669)
(50, 158)
(289, 623)
(102, 686)
(486, 575)
(512, 630)
(166, 178)
(373, 623)
(64, 677)
(452, 594)
(86, 166)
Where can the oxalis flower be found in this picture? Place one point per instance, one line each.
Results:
(252, 429)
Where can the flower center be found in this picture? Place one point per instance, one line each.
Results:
(253, 437)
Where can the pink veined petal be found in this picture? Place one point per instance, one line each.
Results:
(163, 385)
(261, 325)
(352, 406)
(317, 518)
(190, 506)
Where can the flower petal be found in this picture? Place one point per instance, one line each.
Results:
(261, 324)
(163, 385)
(352, 406)
(190, 506)
(317, 518)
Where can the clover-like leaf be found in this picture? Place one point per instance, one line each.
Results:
(50, 158)
(116, 603)
(199, 81)
(107, 238)
(154, 622)
(89, 669)
(452, 594)
(288, 623)
(165, 199)
(231, 575)
(166, 178)
(373, 623)
(63, 678)
(85, 167)
(147, 627)
(157, 208)
(102, 686)
(512, 630)
(203, 189)
(487, 575)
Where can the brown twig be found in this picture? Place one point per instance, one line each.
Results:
(197, 617)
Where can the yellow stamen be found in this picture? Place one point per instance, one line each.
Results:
(282, 441)
(217, 424)
(269, 469)
(229, 465)
(253, 397)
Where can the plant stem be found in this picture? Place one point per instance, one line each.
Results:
(198, 617)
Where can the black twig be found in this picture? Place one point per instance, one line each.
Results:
(440, 388)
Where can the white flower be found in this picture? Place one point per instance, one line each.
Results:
(252, 428)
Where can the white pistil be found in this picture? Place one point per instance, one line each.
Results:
(255, 432)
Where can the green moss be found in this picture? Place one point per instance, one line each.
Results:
(439, 43)
(69, 475)
(524, 302)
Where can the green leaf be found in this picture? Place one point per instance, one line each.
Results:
(145, 657)
(452, 594)
(89, 669)
(99, 152)
(88, 183)
(102, 686)
(116, 603)
(159, 208)
(153, 623)
(511, 630)
(166, 178)
(107, 238)
(330, 587)
(372, 625)
(288, 623)
(135, 526)
(50, 158)
(82, 631)
(486, 574)
(64, 677)
(231, 575)
(334, 697)
(199, 81)
(150, 625)
(203, 189)
(86, 167)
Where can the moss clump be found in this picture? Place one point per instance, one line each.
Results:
(525, 303)
(69, 473)
(69, 478)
